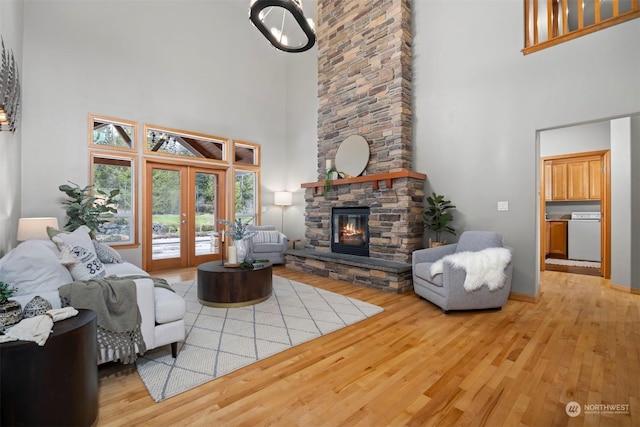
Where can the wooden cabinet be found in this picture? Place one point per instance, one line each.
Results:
(558, 181)
(573, 178)
(595, 178)
(556, 239)
(578, 180)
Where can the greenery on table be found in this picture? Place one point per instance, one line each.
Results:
(238, 229)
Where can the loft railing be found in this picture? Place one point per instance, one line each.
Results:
(550, 22)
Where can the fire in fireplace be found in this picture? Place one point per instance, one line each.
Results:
(350, 230)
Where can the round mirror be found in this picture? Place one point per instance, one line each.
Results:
(352, 156)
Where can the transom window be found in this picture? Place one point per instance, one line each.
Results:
(107, 132)
(187, 144)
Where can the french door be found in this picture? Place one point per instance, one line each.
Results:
(182, 205)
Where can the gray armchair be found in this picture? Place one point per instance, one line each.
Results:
(268, 243)
(446, 290)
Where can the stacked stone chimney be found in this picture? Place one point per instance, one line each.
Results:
(365, 88)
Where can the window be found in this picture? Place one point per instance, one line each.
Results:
(175, 142)
(246, 195)
(109, 172)
(246, 153)
(113, 143)
(550, 22)
(106, 132)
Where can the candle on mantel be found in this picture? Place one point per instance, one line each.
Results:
(328, 163)
(232, 255)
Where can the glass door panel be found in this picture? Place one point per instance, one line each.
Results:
(205, 201)
(165, 217)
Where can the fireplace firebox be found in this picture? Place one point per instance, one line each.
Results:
(350, 230)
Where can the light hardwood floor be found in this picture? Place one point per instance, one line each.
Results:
(413, 365)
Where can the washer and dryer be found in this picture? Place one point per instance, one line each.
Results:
(584, 236)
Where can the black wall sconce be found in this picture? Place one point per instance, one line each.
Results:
(9, 91)
(283, 23)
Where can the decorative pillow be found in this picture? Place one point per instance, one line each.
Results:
(82, 264)
(267, 236)
(34, 268)
(78, 237)
(106, 253)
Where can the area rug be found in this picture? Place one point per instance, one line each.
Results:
(572, 262)
(222, 340)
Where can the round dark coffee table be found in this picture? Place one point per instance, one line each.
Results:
(220, 286)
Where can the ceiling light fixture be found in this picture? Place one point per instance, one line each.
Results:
(283, 23)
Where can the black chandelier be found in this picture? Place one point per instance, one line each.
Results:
(283, 23)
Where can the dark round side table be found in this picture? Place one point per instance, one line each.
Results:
(220, 286)
(56, 384)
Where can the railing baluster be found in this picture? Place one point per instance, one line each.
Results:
(552, 29)
(535, 21)
(580, 14)
(565, 24)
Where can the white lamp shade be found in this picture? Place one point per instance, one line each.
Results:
(283, 198)
(35, 228)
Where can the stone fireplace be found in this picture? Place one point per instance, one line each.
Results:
(365, 88)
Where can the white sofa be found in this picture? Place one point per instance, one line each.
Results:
(34, 268)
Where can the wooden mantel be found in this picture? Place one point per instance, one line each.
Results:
(375, 179)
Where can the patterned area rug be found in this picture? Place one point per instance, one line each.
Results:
(222, 340)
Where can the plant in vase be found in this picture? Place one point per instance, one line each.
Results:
(437, 217)
(331, 174)
(240, 234)
(10, 311)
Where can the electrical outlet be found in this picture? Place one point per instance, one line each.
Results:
(503, 206)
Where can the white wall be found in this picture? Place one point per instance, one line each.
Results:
(192, 65)
(575, 139)
(10, 142)
(479, 103)
(302, 142)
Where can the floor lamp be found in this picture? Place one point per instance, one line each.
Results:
(282, 199)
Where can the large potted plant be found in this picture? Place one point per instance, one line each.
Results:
(89, 206)
(437, 218)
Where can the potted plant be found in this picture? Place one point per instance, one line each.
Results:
(437, 217)
(89, 206)
(10, 311)
(331, 174)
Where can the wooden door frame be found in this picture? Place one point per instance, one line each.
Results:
(185, 167)
(605, 207)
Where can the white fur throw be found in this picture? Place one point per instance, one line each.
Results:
(482, 267)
